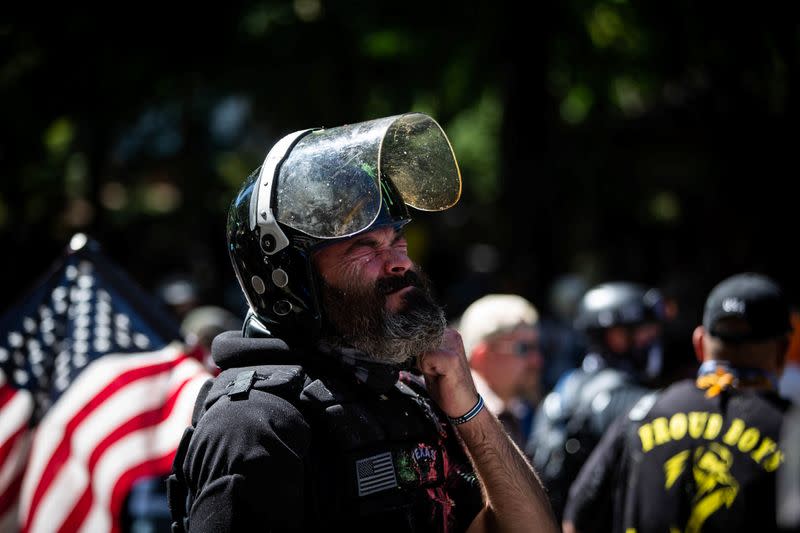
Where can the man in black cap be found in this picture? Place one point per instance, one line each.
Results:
(702, 455)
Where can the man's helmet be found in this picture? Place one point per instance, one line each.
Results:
(318, 186)
(629, 305)
(618, 303)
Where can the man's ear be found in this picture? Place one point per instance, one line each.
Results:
(697, 342)
(480, 356)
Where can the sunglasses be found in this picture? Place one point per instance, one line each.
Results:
(521, 348)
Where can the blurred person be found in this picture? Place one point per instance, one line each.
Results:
(789, 385)
(682, 306)
(622, 324)
(345, 403)
(562, 346)
(787, 498)
(788, 491)
(701, 455)
(202, 324)
(502, 345)
(179, 293)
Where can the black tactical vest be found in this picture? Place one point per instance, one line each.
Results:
(387, 457)
(570, 422)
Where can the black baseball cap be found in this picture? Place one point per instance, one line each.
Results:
(756, 300)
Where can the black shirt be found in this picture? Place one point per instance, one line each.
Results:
(683, 461)
(326, 445)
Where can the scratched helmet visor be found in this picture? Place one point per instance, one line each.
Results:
(329, 185)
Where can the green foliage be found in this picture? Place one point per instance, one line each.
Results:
(475, 133)
(388, 44)
(576, 104)
(59, 136)
(601, 136)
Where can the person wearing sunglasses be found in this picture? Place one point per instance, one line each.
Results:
(501, 341)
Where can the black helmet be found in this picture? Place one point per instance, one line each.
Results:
(317, 186)
(618, 303)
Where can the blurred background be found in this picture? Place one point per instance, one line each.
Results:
(654, 142)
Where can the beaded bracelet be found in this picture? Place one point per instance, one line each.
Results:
(469, 415)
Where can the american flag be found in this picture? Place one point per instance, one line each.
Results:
(375, 474)
(95, 392)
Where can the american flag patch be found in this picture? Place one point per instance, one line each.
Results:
(375, 474)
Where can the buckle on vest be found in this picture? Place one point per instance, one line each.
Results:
(242, 384)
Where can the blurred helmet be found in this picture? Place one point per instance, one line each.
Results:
(628, 305)
(178, 291)
(204, 323)
(618, 303)
(318, 186)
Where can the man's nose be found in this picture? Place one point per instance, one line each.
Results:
(397, 262)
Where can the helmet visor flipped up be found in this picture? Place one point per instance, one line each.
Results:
(329, 185)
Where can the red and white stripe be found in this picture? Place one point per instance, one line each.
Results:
(122, 418)
(16, 408)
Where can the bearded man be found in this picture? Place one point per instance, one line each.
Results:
(345, 403)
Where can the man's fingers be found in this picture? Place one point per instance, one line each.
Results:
(451, 341)
(428, 363)
(446, 359)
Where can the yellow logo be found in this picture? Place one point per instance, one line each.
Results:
(715, 485)
(703, 426)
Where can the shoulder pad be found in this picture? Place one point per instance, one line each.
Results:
(595, 392)
(642, 407)
(602, 397)
(564, 398)
(605, 380)
(281, 380)
(553, 406)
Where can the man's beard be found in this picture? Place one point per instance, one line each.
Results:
(358, 318)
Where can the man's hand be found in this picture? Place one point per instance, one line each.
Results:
(448, 377)
(514, 498)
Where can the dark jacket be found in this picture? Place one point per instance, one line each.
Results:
(684, 461)
(289, 442)
(571, 420)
